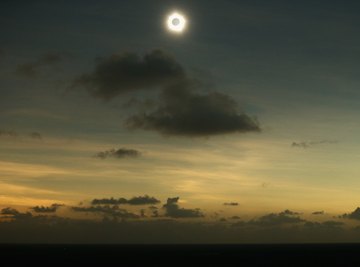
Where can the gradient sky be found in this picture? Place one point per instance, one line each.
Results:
(270, 93)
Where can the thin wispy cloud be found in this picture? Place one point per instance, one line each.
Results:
(310, 144)
(120, 153)
(32, 69)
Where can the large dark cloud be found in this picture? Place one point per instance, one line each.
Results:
(173, 210)
(120, 74)
(119, 153)
(184, 112)
(31, 69)
(140, 200)
(181, 110)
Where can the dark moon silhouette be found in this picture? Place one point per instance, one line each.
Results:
(176, 22)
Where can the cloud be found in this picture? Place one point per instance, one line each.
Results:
(172, 200)
(326, 224)
(289, 213)
(231, 204)
(311, 143)
(155, 211)
(235, 218)
(121, 226)
(355, 215)
(318, 213)
(31, 69)
(15, 135)
(155, 214)
(141, 200)
(50, 58)
(173, 210)
(143, 213)
(109, 201)
(35, 135)
(275, 219)
(9, 211)
(183, 112)
(113, 211)
(119, 153)
(15, 214)
(8, 133)
(27, 70)
(41, 209)
(127, 72)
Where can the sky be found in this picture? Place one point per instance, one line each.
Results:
(241, 129)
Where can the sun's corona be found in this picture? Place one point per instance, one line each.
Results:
(176, 22)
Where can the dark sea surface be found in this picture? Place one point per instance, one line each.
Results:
(181, 255)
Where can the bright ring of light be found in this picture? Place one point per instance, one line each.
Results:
(176, 22)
